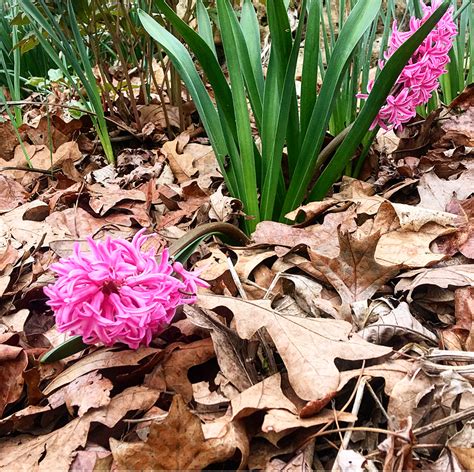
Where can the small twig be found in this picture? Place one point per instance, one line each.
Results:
(355, 411)
(143, 420)
(363, 429)
(236, 279)
(379, 404)
(30, 169)
(442, 423)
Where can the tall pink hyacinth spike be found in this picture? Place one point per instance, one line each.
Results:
(117, 293)
(419, 78)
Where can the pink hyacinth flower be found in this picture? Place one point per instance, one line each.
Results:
(419, 78)
(117, 293)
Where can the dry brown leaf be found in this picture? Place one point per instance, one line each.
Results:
(228, 346)
(27, 224)
(177, 443)
(87, 392)
(100, 359)
(104, 199)
(180, 159)
(307, 346)
(223, 207)
(436, 193)
(13, 362)
(461, 275)
(463, 239)
(55, 451)
(461, 335)
(8, 142)
(12, 194)
(78, 223)
(173, 371)
(279, 420)
(398, 322)
(308, 294)
(265, 395)
(462, 446)
(354, 274)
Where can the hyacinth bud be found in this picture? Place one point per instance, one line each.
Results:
(419, 78)
(118, 294)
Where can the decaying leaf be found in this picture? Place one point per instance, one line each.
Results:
(172, 373)
(177, 443)
(13, 361)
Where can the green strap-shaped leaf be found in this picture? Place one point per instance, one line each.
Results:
(245, 169)
(185, 67)
(207, 60)
(309, 77)
(357, 23)
(278, 112)
(251, 31)
(204, 26)
(382, 87)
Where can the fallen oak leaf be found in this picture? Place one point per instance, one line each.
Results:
(13, 362)
(54, 451)
(172, 373)
(354, 274)
(265, 395)
(307, 346)
(177, 443)
(228, 346)
(279, 420)
(86, 392)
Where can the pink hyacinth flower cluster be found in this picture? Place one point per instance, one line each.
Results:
(419, 78)
(117, 293)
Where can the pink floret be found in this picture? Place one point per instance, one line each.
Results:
(419, 78)
(117, 293)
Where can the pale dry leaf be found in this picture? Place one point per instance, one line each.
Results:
(88, 391)
(416, 246)
(461, 275)
(462, 445)
(223, 207)
(436, 193)
(177, 443)
(398, 322)
(12, 194)
(55, 451)
(308, 346)
(265, 395)
(349, 461)
(103, 199)
(308, 295)
(279, 420)
(101, 359)
(228, 346)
